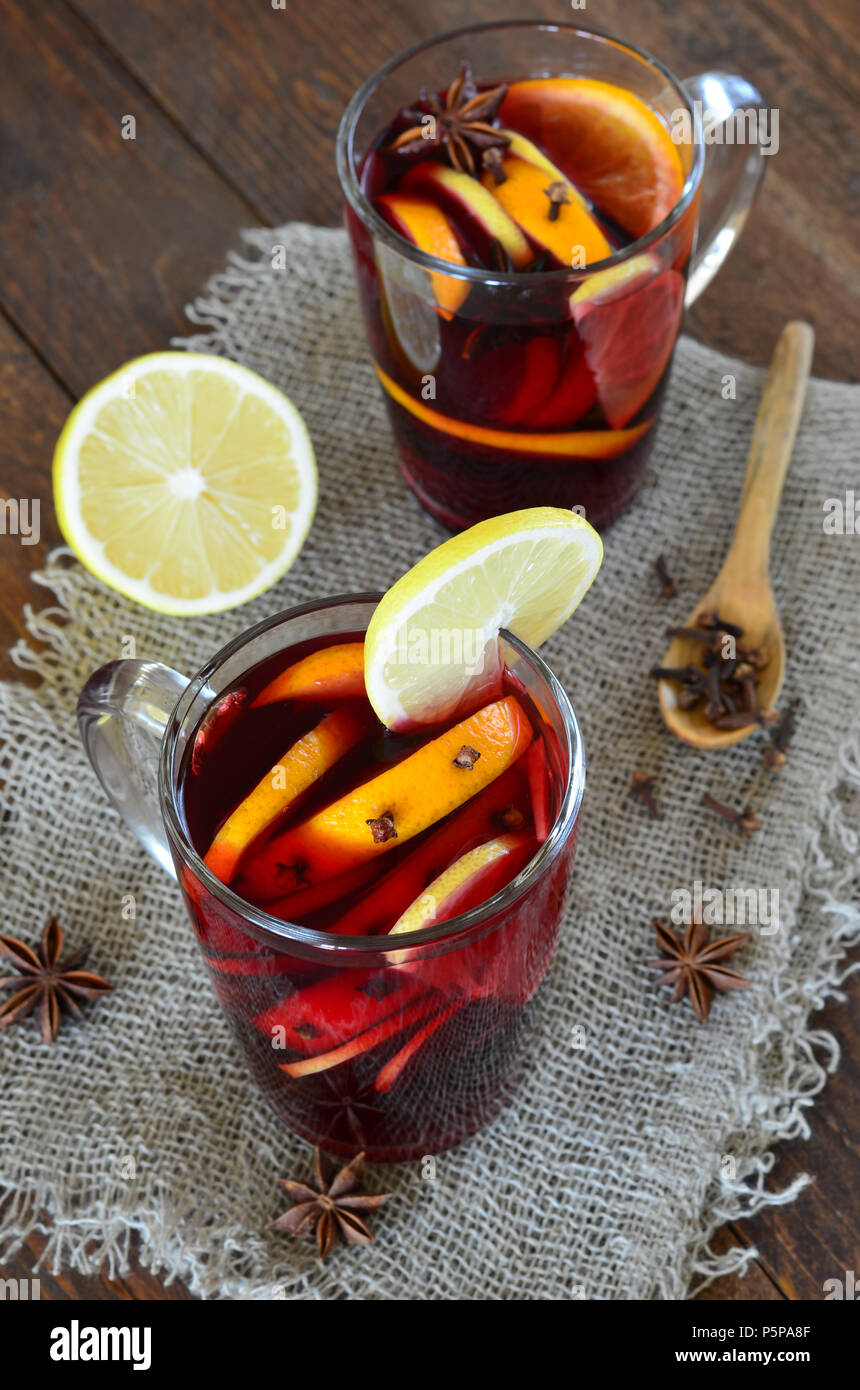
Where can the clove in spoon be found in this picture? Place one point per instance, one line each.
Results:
(741, 592)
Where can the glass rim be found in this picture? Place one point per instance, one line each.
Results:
(329, 942)
(349, 182)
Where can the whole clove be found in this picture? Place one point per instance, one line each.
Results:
(735, 719)
(713, 620)
(724, 686)
(467, 757)
(709, 638)
(747, 820)
(754, 656)
(492, 160)
(382, 828)
(558, 195)
(774, 754)
(642, 787)
(667, 584)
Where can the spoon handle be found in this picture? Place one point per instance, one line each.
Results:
(776, 425)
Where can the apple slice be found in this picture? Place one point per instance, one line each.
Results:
(331, 673)
(293, 907)
(401, 801)
(302, 765)
(390, 1073)
(540, 357)
(340, 1007)
(373, 1037)
(536, 766)
(423, 223)
(215, 723)
(628, 319)
(468, 882)
(218, 937)
(465, 195)
(572, 236)
(574, 394)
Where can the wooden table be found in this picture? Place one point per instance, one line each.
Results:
(235, 104)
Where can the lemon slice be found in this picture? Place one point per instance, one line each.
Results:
(186, 482)
(432, 647)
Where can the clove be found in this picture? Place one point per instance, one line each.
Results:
(558, 195)
(746, 820)
(667, 583)
(642, 787)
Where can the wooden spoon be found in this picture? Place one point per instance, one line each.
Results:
(741, 592)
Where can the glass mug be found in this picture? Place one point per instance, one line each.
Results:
(477, 973)
(530, 392)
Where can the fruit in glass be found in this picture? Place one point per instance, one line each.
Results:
(369, 1023)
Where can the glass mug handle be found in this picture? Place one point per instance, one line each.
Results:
(733, 172)
(123, 711)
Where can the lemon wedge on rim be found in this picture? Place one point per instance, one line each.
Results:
(431, 646)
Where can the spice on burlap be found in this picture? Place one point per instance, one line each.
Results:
(604, 1172)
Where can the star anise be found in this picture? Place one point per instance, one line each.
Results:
(349, 1106)
(693, 964)
(44, 980)
(461, 123)
(330, 1210)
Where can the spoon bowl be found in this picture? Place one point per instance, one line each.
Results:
(758, 617)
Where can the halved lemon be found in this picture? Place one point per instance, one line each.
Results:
(186, 482)
(431, 647)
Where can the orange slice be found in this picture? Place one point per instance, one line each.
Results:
(588, 444)
(526, 149)
(298, 769)
(612, 145)
(331, 673)
(427, 227)
(573, 237)
(401, 801)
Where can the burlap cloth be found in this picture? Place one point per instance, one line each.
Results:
(639, 1131)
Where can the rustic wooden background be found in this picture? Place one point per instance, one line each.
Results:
(103, 241)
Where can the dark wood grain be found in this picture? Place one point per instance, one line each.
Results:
(103, 241)
(798, 246)
(32, 409)
(64, 1285)
(818, 1238)
(756, 1285)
